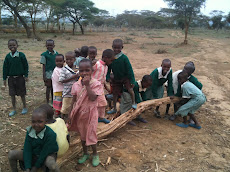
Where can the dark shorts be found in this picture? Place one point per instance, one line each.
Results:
(17, 86)
(119, 85)
(48, 83)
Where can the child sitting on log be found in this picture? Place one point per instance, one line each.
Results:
(195, 99)
(40, 147)
(140, 95)
(84, 113)
(160, 75)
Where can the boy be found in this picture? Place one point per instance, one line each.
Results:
(140, 95)
(99, 73)
(48, 64)
(15, 68)
(68, 77)
(195, 99)
(92, 54)
(84, 54)
(123, 75)
(160, 76)
(40, 147)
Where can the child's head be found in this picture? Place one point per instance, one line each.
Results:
(59, 60)
(39, 119)
(48, 109)
(117, 46)
(50, 45)
(146, 81)
(189, 68)
(85, 68)
(108, 56)
(92, 52)
(13, 45)
(166, 65)
(84, 51)
(77, 52)
(182, 77)
(70, 58)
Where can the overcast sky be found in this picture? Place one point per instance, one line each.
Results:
(118, 6)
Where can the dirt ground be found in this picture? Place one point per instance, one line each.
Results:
(159, 145)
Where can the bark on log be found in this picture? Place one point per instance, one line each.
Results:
(104, 130)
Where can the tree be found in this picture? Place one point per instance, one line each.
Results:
(217, 17)
(186, 9)
(228, 18)
(80, 10)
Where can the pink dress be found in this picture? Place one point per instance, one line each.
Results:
(84, 115)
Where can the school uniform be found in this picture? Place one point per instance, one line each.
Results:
(77, 61)
(15, 68)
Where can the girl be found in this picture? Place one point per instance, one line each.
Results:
(84, 113)
(57, 86)
(196, 99)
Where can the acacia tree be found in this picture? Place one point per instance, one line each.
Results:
(186, 9)
(216, 19)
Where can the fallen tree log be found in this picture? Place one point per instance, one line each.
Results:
(104, 130)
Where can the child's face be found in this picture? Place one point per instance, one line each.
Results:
(92, 54)
(146, 84)
(12, 45)
(50, 46)
(59, 61)
(38, 122)
(70, 60)
(107, 60)
(188, 70)
(117, 47)
(182, 80)
(85, 69)
(165, 67)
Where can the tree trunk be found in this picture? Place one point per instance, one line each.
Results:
(104, 130)
(15, 21)
(74, 26)
(0, 17)
(58, 23)
(27, 28)
(81, 27)
(47, 25)
(186, 34)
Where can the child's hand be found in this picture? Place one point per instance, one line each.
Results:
(86, 80)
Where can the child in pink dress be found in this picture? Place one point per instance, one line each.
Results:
(84, 114)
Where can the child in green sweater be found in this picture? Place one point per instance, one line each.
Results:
(123, 75)
(15, 69)
(160, 76)
(40, 147)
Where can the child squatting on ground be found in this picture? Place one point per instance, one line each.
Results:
(84, 115)
(15, 69)
(57, 86)
(123, 75)
(100, 70)
(195, 99)
(40, 147)
(48, 63)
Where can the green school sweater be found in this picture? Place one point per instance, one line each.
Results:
(39, 147)
(15, 66)
(137, 93)
(159, 82)
(50, 60)
(121, 69)
(193, 80)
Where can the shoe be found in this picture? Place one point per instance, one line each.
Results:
(12, 113)
(134, 106)
(195, 126)
(132, 123)
(182, 125)
(96, 160)
(24, 111)
(141, 120)
(112, 111)
(106, 121)
(157, 114)
(172, 118)
(83, 159)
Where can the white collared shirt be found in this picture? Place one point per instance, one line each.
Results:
(160, 73)
(140, 86)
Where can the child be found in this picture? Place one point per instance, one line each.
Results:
(99, 73)
(59, 127)
(160, 76)
(196, 99)
(77, 52)
(15, 68)
(48, 62)
(123, 74)
(57, 86)
(68, 77)
(40, 146)
(84, 114)
(140, 95)
(92, 54)
(84, 54)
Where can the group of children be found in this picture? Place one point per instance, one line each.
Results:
(76, 83)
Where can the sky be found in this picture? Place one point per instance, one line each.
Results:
(118, 6)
